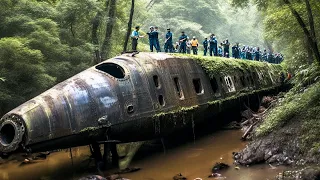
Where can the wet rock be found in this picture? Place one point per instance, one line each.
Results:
(311, 173)
(113, 177)
(232, 125)
(42, 156)
(219, 166)
(247, 114)
(266, 101)
(129, 170)
(214, 175)
(27, 161)
(308, 173)
(116, 177)
(179, 177)
(93, 177)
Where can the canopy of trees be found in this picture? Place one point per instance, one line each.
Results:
(203, 17)
(292, 26)
(43, 42)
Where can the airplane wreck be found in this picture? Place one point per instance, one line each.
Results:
(133, 97)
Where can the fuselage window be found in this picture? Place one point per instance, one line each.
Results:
(161, 100)
(178, 87)
(113, 69)
(229, 84)
(214, 84)
(197, 86)
(156, 81)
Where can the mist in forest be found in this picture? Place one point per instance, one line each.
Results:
(204, 17)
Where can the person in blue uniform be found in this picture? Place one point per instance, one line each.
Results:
(213, 45)
(253, 54)
(243, 52)
(220, 51)
(257, 54)
(183, 42)
(205, 46)
(226, 48)
(156, 37)
(152, 40)
(270, 57)
(168, 47)
(235, 51)
(264, 55)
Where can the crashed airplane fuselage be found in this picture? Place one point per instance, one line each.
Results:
(130, 98)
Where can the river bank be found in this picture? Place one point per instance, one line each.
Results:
(289, 134)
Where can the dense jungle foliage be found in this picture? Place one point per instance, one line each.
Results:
(43, 42)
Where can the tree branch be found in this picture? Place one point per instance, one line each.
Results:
(129, 27)
(311, 41)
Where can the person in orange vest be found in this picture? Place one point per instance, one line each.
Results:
(289, 76)
(194, 45)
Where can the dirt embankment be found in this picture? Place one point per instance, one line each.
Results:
(287, 132)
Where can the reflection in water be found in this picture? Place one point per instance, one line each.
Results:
(57, 166)
(191, 159)
(196, 160)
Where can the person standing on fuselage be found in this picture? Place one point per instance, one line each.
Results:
(156, 36)
(213, 45)
(152, 40)
(194, 45)
(226, 48)
(183, 42)
(135, 37)
(205, 46)
(168, 42)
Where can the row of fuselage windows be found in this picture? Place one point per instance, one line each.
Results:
(198, 88)
(117, 71)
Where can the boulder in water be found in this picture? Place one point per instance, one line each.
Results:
(93, 177)
(179, 177)
(219, 166)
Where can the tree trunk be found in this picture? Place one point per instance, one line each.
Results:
(129, 27)
(309, 51)
(313, 44)
(106, 46)
(94, 36)
(312, 31)
(71, 29)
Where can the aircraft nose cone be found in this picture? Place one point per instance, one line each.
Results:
(11, 132)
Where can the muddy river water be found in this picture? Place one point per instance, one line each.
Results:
(192, 159)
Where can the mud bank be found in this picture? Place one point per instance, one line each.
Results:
(289, 134)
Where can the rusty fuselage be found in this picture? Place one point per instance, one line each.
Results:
(125, 99)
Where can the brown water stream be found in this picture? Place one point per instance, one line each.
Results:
(191, 159)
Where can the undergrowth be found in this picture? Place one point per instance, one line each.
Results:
(301, 105)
